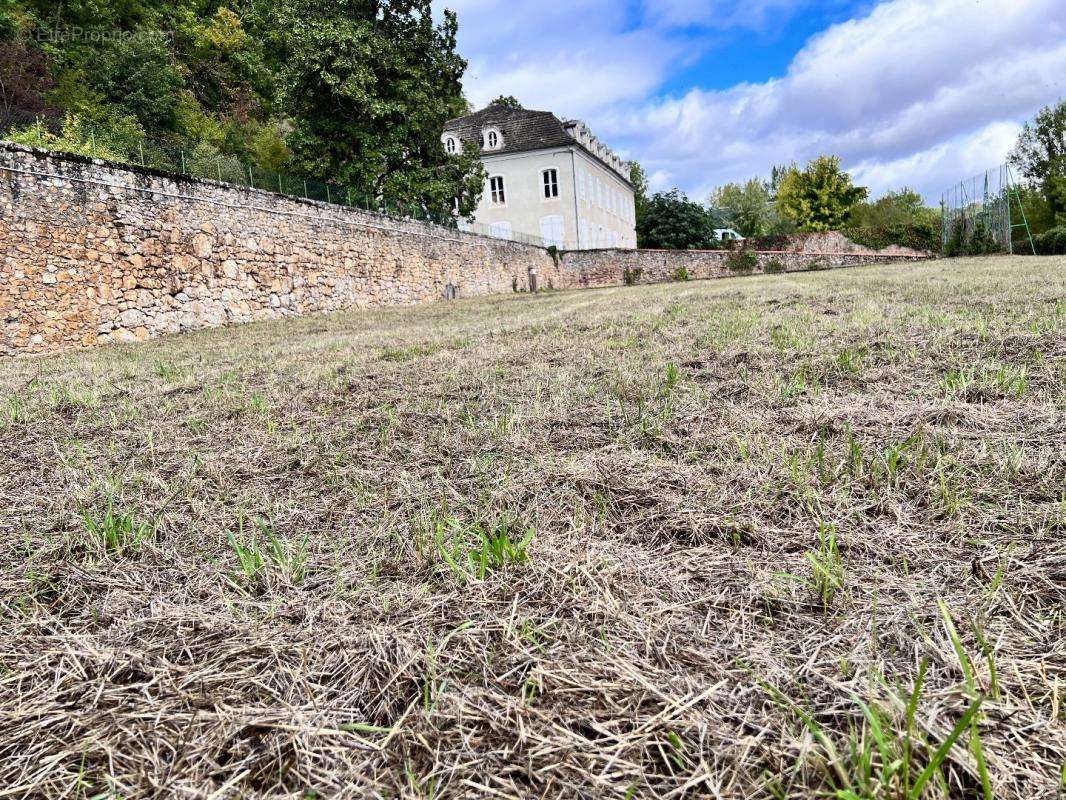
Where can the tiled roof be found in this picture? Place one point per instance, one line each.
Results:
(522, 130)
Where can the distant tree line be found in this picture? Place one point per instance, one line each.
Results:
(819, 197)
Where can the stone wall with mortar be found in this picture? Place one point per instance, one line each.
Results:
(95, 252)
(591, 268)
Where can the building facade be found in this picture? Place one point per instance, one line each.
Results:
(548, 180)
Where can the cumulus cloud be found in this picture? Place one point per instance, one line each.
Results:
(915, 92)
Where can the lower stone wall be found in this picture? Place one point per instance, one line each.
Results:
(612, 267)
(92, 252)
(95, 252)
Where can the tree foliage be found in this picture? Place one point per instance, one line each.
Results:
(898, 218)
(673, 222)
(138, 75)
(25, 81)
(639, 179)
(352, 91)
(819, 197)
(750, 208)
(369, 86)
(506, 101)
(1040, 156)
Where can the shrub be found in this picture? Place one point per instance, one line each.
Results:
(632, 275)
(1051, 242)
(817, 264)
(681, 273)
(111, 143)
(923, 235)
(970, 238)
(982, 242)
(742, 261)
(774, 266)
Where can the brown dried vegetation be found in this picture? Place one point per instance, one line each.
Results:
(658, 541)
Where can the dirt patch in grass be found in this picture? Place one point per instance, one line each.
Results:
(768, 537)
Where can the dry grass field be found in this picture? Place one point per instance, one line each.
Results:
(786, 536)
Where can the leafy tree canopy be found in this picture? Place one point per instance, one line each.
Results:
(1040, 156)
(1041, 147)
(673, 222)
(749, 208)
(639, 179)
(506, 101)
(352, 91)
(903, 207)
(819, 197)
(900, 217)
(369, 86)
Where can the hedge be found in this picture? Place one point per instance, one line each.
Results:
(1051, 242)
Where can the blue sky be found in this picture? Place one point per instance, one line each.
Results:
(919, 93)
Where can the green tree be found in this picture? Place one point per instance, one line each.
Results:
(777, 174)
(673, 222)
(749, 208)
(640, 190)
(369, 86)
(1040, 156)
(506, 101)
(138, 75)
(900, 217)
(819, 197)
(901, 207)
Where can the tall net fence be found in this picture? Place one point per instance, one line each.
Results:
(984, 214)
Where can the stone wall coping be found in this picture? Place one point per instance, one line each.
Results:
(871, 254)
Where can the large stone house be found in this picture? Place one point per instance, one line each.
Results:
(548, 179)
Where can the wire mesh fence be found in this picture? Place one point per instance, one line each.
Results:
(984, 214)
(206, 162)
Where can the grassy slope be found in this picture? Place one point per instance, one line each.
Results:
(685, 454)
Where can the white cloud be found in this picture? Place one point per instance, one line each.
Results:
(943, 164)
(916, 92)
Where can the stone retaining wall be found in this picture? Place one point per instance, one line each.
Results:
(610, 267)
(95, 252)
(92, 252)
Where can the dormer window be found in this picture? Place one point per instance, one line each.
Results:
(492, 139)
(450, 145)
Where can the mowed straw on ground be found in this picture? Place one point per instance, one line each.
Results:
(758, 537)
